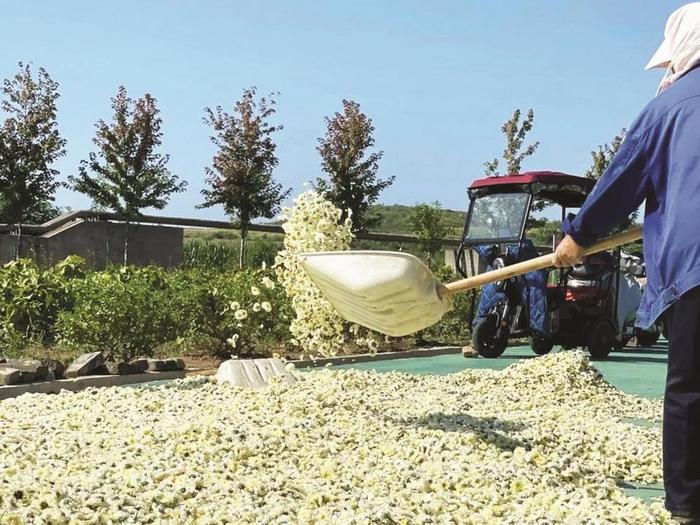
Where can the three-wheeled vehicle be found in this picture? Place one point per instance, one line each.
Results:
(592, 305)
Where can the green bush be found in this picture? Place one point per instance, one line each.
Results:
(454, 327)
(127, 312)
(31, 299)
(232, 309)
(124, 313)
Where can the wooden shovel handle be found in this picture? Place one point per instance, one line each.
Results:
(539, 263)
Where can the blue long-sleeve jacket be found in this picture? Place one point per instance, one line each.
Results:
(659, 161)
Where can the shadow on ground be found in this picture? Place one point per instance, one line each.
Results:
(489, 429)
(635, 359)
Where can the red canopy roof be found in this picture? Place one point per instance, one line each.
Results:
(567, 190)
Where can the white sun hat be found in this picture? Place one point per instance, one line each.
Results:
(662, 57)
(680, 49)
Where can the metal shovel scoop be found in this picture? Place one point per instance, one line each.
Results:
(396, 294)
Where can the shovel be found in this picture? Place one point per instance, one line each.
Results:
(396, 294)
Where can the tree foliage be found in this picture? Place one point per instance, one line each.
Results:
(44, 211)
(428, 224)
(29, 144)
(351, 167)
(127, 174)
(240, 177)
(601, 159)
(514, 153)
(541, 230)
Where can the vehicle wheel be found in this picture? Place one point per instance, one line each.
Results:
(645, 338)
(600, 339)
(541, 345)
(484, 338)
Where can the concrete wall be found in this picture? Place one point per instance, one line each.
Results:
(7, 248)
(100, 243)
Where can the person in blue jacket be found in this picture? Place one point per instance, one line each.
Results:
(659, 162)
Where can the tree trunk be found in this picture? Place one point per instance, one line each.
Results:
(240, 254)
(126, 243)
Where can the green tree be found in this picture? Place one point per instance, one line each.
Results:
(240, 177)
(29, 144)
(541, 231)
(127, 174)
(601, 159)
(514, 153)
(44, 211)
(351, 168)
(427, 222)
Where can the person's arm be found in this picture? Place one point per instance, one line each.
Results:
(619, 191)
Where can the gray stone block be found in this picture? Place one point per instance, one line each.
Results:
(162, 365)
(56, 367)
(85, 364)
(119, 369)
(9, 376)
(100, 371)
(139, 365)
(38, 370)
(25, 377)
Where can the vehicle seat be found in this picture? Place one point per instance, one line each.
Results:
(586, 281)
(593, 266)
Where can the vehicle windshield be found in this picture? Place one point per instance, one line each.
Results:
(498, 216)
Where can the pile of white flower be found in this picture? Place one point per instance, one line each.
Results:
(543, 441)
(312, 225)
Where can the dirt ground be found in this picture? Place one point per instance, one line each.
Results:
(201, 365)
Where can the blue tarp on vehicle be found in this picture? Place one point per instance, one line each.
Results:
(532, 287)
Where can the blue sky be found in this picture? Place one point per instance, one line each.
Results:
(438, 78)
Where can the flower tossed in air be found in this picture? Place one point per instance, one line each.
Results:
(266, 306)
(311, 224)
(254, 290)
(240, 314)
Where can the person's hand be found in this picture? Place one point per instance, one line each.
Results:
(568, 253)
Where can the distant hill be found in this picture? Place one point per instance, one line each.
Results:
(394, 219)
